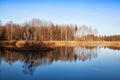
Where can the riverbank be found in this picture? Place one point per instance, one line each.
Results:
(84, 43)
(21, 43)
(48, 45)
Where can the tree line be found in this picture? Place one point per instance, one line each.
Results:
(36, 30)
(92, 37)
(39, 30)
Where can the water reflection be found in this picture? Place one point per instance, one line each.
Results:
(85, 53)
(114, 47)
(32, 60)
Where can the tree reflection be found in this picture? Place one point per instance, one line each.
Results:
(114, 48)
(85, 53)
(28, 68)
(32, 60)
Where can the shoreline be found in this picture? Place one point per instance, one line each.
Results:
(61, 43)
(84, 43)
(50, 45)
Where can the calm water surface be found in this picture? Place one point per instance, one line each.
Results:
(64, 63)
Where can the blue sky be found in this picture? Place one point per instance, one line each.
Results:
(103, 15)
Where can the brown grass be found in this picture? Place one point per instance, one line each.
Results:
(22, 43)
(84, 43)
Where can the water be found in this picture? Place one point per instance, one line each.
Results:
(64, 63)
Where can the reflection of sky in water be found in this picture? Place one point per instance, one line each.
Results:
(105, 66)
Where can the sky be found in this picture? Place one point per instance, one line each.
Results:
(103, 15)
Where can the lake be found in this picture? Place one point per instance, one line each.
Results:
(63, 63)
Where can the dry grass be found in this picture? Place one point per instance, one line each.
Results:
(84, 43)
(21, 43)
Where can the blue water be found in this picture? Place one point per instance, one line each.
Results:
(62, 64)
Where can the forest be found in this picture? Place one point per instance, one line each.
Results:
(39, 30)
